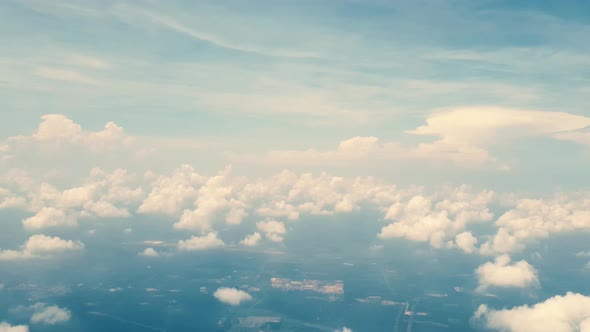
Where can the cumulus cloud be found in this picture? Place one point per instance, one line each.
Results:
(533, 219)
(6, 327)
(196, 243)
(49, 217)
(8, 199)
(49, 314)
(40, 245)
(43, 244)
(101, 195)
(436, 220)
(466, 242)
(251, 240)
(169, 194)
(57, 128)
(231, 296)
(149, 252)
(57, 138)
(103, 209)
(568, 313)
(501, 273)
(272, 229)
(213, 198)
(199, 202)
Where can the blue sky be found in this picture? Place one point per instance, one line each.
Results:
(281, 75)
(381, 63)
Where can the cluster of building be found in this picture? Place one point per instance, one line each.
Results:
(378, 299)
(335, 288)
(260, 322)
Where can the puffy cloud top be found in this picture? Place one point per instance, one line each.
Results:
(45, 244)
(503, 274)
(149, 252)
(5, 327)
(195, 243)
(52, 314)
(272, 229)
(231, 296)
(48, 217)
(41, 245)
(58, 128)
(251, 240)
(569, 313)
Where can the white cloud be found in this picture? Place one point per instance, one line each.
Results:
(200, 202)
(534, 219)
(116, 186)
(466, 242)
(45, 244)
(49, 217)
(212, 198)
(52, 314)
(9, 200)
(272, 229)
(237, 212)
(101, 195)
(437, 219)
(5, 327)
(169, 194)
(485, 124)
(57, 138)
(251, 240)
(583, 254)
(149, 252)
(344, 329)
(503, 274)
(103, 209)
(195, 243)
(231, 296)
(569, 313)
(57, 128)
(40, 245)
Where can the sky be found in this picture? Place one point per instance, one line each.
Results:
(438, 114)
